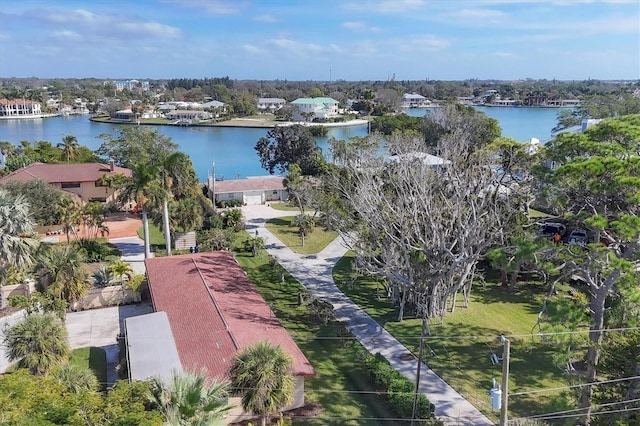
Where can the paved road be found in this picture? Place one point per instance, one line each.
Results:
(315, 273)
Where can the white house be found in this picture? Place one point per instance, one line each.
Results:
(187, 114)
(255, 190)
(414, 100)
(319, 108)
(270, 104)
(20, 108)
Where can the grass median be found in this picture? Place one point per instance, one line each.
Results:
(314, 242)
(461, 346)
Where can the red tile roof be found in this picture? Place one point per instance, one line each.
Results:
(17, 102)
(61, 173)
(270, 183)
(215, 311)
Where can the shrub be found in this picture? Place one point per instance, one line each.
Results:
(400, 391)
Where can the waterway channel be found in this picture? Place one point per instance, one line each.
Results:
(232, 148)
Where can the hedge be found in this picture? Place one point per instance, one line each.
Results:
(400, 390)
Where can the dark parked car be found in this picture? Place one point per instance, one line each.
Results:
(578, 237)
(549, 229)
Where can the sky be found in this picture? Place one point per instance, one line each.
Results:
(321, 40)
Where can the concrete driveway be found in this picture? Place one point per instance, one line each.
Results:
(100, 328)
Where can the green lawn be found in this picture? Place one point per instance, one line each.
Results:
(156, 236)
(314, 242)
(336, 365)
(283, 206)
(465, 362)
(93, 358)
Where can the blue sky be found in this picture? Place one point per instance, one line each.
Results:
(321, 39)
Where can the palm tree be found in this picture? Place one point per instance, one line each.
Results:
(175, 175)
(187, 214)
(121, 269)
(37, 343)
(16, 223)
(304, 223)
(261, 375)
(70, 216)
(69, 147)
(234, 219)
(142, 187)
(62, 273)
(190, 399)
(75, 379)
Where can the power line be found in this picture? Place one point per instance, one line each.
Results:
(598, 406)
(622, 410)
(471, 337)
(574, 386)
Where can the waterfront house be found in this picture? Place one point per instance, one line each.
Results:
(213, 311)
(270, 104)
(188, 114)
(254, 190)
(320, 108)
(19, 108)
(81, 179)
(414, 100)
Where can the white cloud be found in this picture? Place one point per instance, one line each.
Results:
(304, 49)
(483, 15)
(386, 6)
(269, 19)
(67, 35)
(422, 43)
(507, 55)
(252, 49)
(148, 29)
(216, 7)
(359, 26)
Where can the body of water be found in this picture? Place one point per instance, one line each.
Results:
(232, 148)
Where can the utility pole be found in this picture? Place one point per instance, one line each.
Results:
(417, 389)
(505, 380)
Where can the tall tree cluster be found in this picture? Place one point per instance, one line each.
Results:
(419, 220)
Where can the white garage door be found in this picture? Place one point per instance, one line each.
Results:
(252, 198)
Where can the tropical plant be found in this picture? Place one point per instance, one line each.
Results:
(62, 273)
(305, 225)
(16, 226)
(175, 173)
(69, 147)
(187, 214)
(190, 399)
(261, 375)
(38, 343)
(75, 379)
(104, 277)
(234, 219)
(121, 270)
(142, 187)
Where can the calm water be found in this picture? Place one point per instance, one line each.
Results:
(232, 148)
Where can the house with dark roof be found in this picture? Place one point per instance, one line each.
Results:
(253, 190)
(214, 311)
(81, 179)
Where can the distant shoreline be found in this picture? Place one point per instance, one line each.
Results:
(236, 122)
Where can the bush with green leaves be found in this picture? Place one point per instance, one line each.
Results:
(400, 391)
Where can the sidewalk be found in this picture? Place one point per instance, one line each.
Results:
(314, 272)
(132, 249)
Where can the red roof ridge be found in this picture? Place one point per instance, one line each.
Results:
(215, 303)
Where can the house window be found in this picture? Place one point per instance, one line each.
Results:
(275, 192)
(67, 185)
